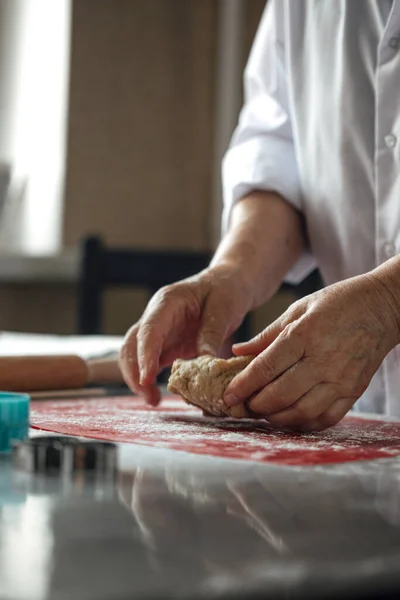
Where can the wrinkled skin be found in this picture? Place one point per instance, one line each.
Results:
(318, 358)
(183, 320)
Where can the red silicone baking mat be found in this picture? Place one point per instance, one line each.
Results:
(176, 426)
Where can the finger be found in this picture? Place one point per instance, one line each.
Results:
(306, 410)
(330, 417)
(261, 341)
(130, 370)
(287, 389)
(157, 323)
(283, 353)
(214, 326)
(127, 358)
(151, 394)
(150, 339)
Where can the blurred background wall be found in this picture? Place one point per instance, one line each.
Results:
(141, 94)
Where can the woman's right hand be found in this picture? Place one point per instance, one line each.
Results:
(183, 320)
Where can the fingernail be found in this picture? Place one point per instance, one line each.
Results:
(231, 400)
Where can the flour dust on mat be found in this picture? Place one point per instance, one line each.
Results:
(176, 426)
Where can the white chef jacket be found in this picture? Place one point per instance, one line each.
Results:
(321, 126)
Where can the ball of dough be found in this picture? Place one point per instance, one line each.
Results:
(202, 382)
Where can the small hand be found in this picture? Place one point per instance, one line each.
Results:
(318, 358)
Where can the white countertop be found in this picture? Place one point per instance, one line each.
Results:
(28, 344)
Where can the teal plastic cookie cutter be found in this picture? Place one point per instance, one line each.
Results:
(14, 419)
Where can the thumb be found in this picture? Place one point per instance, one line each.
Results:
(261, 341)
(214, 327)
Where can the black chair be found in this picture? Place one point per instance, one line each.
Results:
(104, 267)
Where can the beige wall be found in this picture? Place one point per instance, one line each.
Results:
(139, 158)
(38, 308)
(140, 131)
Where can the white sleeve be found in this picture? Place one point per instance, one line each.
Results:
(262, 153)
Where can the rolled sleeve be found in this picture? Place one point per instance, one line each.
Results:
(262, 153)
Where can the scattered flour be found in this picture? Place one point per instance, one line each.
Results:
(178, 426)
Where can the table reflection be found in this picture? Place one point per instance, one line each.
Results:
(260, 515)
(26, 548)
(154, 523)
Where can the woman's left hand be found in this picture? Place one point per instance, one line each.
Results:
(318, 358)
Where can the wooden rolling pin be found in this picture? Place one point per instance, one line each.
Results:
(40, 373)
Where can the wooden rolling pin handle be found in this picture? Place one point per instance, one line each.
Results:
(105, 370)
(39, 373)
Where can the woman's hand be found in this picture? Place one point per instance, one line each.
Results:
(318, 358)
(197, 315)
(183, 320)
